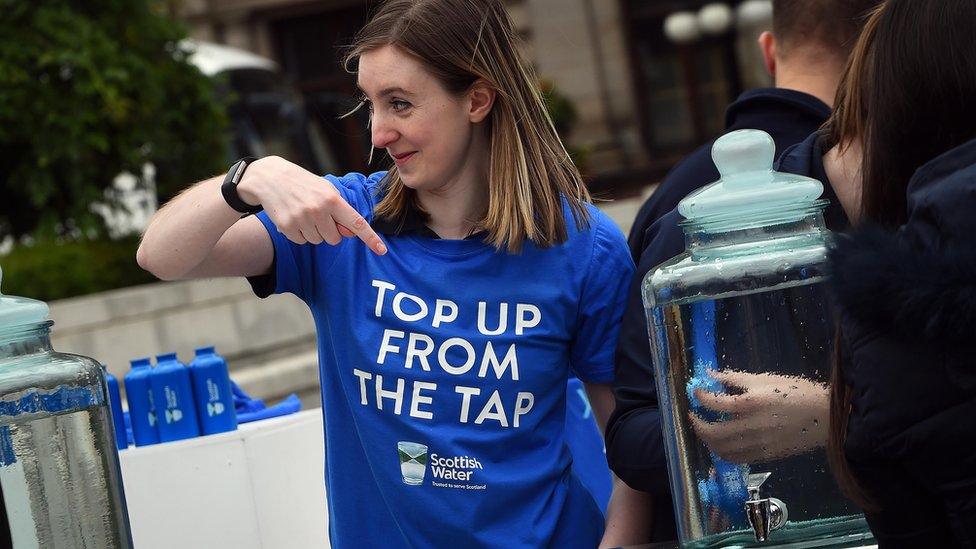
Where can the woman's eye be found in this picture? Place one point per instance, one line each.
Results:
(399, 106)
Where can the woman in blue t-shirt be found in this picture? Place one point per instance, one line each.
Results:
(453, 295)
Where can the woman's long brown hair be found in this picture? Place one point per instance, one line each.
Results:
(907, 96)
(461, 42)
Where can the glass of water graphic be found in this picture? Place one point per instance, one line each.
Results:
(413, 462)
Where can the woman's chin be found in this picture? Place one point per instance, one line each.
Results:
(411, 182)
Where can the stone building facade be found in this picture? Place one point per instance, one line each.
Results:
(642, 99)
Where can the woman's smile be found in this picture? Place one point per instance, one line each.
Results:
(402, 158)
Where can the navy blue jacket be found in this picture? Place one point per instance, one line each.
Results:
(635, 447)
(908, 315)
(788, 116)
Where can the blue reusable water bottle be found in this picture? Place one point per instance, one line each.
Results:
(118, 418)
(177, 417)
(211, 387)
(142, 411)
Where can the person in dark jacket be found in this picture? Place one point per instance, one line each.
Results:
(805, 53)
(903, 395)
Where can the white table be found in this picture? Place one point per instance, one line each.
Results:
(261, 486)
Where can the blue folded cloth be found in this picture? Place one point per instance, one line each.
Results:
(253, 409)
(290, 405)
(244, 403)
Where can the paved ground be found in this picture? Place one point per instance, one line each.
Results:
(623, 210)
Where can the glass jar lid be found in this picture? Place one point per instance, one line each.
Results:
(750, 193)
(20, 311)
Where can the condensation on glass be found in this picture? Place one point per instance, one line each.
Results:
(59, 467)
(742, 342)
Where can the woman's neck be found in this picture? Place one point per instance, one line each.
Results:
(843, 168)
(456, 207)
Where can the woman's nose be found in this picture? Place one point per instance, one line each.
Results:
(382, 134)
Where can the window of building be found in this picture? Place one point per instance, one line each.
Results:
(681, 90)
(308, 47)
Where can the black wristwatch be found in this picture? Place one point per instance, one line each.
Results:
(229, 187)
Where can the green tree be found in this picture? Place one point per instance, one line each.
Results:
(89, 89)
(564, 118)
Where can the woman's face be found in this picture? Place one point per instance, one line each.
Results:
(427, 131)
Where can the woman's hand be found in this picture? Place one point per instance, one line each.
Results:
(306, 208)
(775, 416)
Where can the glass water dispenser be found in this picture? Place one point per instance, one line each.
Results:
(742, 342)
(59, 467)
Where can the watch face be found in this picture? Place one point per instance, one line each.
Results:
(229, 188)
(238, 170)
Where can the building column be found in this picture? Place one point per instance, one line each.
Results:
(579, 46)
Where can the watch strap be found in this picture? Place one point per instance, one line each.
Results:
(229, 187)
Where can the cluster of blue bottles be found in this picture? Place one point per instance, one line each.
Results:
(173, 401)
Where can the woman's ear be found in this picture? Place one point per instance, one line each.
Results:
(481, 97)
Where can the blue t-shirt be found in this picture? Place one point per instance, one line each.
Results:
(443, 369)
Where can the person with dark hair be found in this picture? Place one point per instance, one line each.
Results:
(806, 53)
(898, 156)
(900, 151)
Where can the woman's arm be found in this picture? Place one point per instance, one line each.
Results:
(628, 514)
(628, 517)
(198, 235)
(600, 396)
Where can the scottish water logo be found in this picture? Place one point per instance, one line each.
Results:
(413, 462)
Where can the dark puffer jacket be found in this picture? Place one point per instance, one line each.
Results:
(908, 303)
